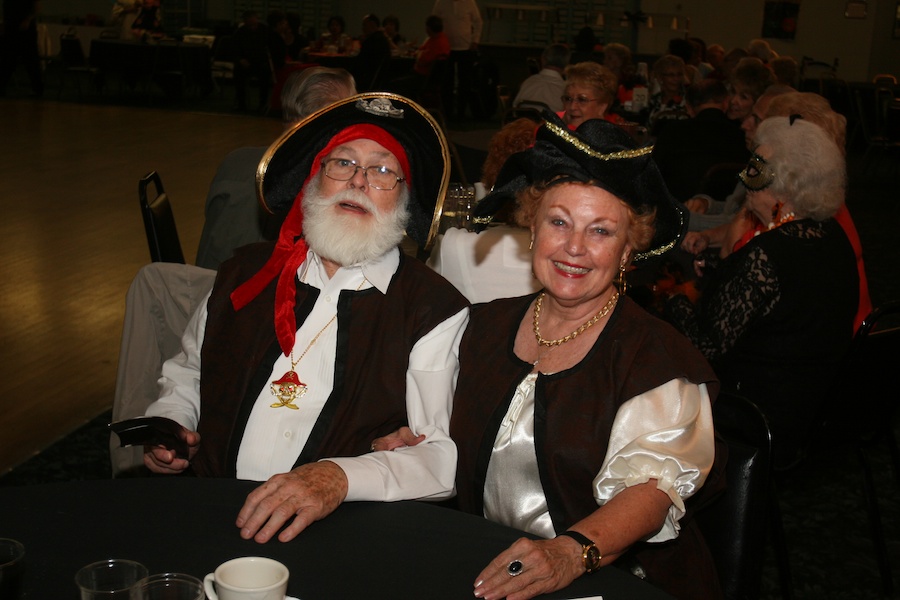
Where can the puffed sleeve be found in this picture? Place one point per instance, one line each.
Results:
(664, 434)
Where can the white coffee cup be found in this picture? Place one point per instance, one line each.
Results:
(246, 578)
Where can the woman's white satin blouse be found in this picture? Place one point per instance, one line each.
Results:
(665, 434)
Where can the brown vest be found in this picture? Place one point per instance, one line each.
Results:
(574, 412)
(376, 333)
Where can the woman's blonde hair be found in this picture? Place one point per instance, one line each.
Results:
(595, 75)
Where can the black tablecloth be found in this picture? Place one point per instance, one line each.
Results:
(364, 550)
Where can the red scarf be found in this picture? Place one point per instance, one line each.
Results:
(290, 249)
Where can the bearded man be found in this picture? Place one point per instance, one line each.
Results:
(308, 351)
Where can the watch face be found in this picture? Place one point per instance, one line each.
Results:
(592, 558)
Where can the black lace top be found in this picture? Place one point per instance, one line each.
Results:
(776, 317)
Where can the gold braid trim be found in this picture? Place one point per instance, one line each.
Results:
(571, 139)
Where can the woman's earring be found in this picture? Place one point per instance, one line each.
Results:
(531, 243)
(623, 285)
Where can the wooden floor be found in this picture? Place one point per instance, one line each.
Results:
(71, 240)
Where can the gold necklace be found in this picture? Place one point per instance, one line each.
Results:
(537, 315)
(289, 388)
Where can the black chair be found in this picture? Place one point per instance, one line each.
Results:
(869, 387)
(431, 96)
(528, 109)
(732, 525)
(870, 117)
(75, 64)
(159, 222)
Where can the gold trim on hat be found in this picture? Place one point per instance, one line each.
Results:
(366, 99)
(586, 148)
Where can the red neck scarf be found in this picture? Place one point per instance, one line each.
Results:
(290, 249)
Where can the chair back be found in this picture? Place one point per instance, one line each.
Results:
(70, 51)
(159, 222)
(527, 109)
(735, 524)
(431, 94)
(870, 379)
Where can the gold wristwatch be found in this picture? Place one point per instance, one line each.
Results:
(590, 555)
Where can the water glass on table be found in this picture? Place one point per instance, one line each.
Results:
(111, 579)
(12, 565)
(168, 586)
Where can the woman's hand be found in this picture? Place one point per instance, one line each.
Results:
(695, 242)
(401, 438)
(160, 459)
(547, 566)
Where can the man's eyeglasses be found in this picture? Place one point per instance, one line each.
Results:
(378, 176)
(580, 100)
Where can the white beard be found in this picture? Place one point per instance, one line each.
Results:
(348, 239)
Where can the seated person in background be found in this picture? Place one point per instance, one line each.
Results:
(685, 150)
(309, 348)
(256, 48)
(578, 416)
(762, 50)
(374, 51)
(123, 14)
(278, 52)
(391, 27)
(749, 80)
(715, 56)
(732, 58)
(493, 263)
(436, 47)
(547, 86)
(148, 22)
(163, 296)
(233, 217)
(334, 39)
(729, 236)
(707, 212)
(668, 103)
(291, 42)
(698, 58)
(686, 51)
(590, 91)
(617, 58)
(785, 70)
(776, 317)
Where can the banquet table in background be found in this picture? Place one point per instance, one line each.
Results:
(363, 550)
(170, 64)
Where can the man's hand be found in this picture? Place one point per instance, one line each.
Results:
(308, 493)
(697, 204)
(401, 438)
(160, 459)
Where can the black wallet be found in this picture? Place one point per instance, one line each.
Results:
(153, 431)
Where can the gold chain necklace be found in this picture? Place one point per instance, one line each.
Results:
(537, 315)
(289, 388)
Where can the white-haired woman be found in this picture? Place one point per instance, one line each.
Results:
(777, 315)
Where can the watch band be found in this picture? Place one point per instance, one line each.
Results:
(578, 537)
(590, 554)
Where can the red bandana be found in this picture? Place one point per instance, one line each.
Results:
(290, 249)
